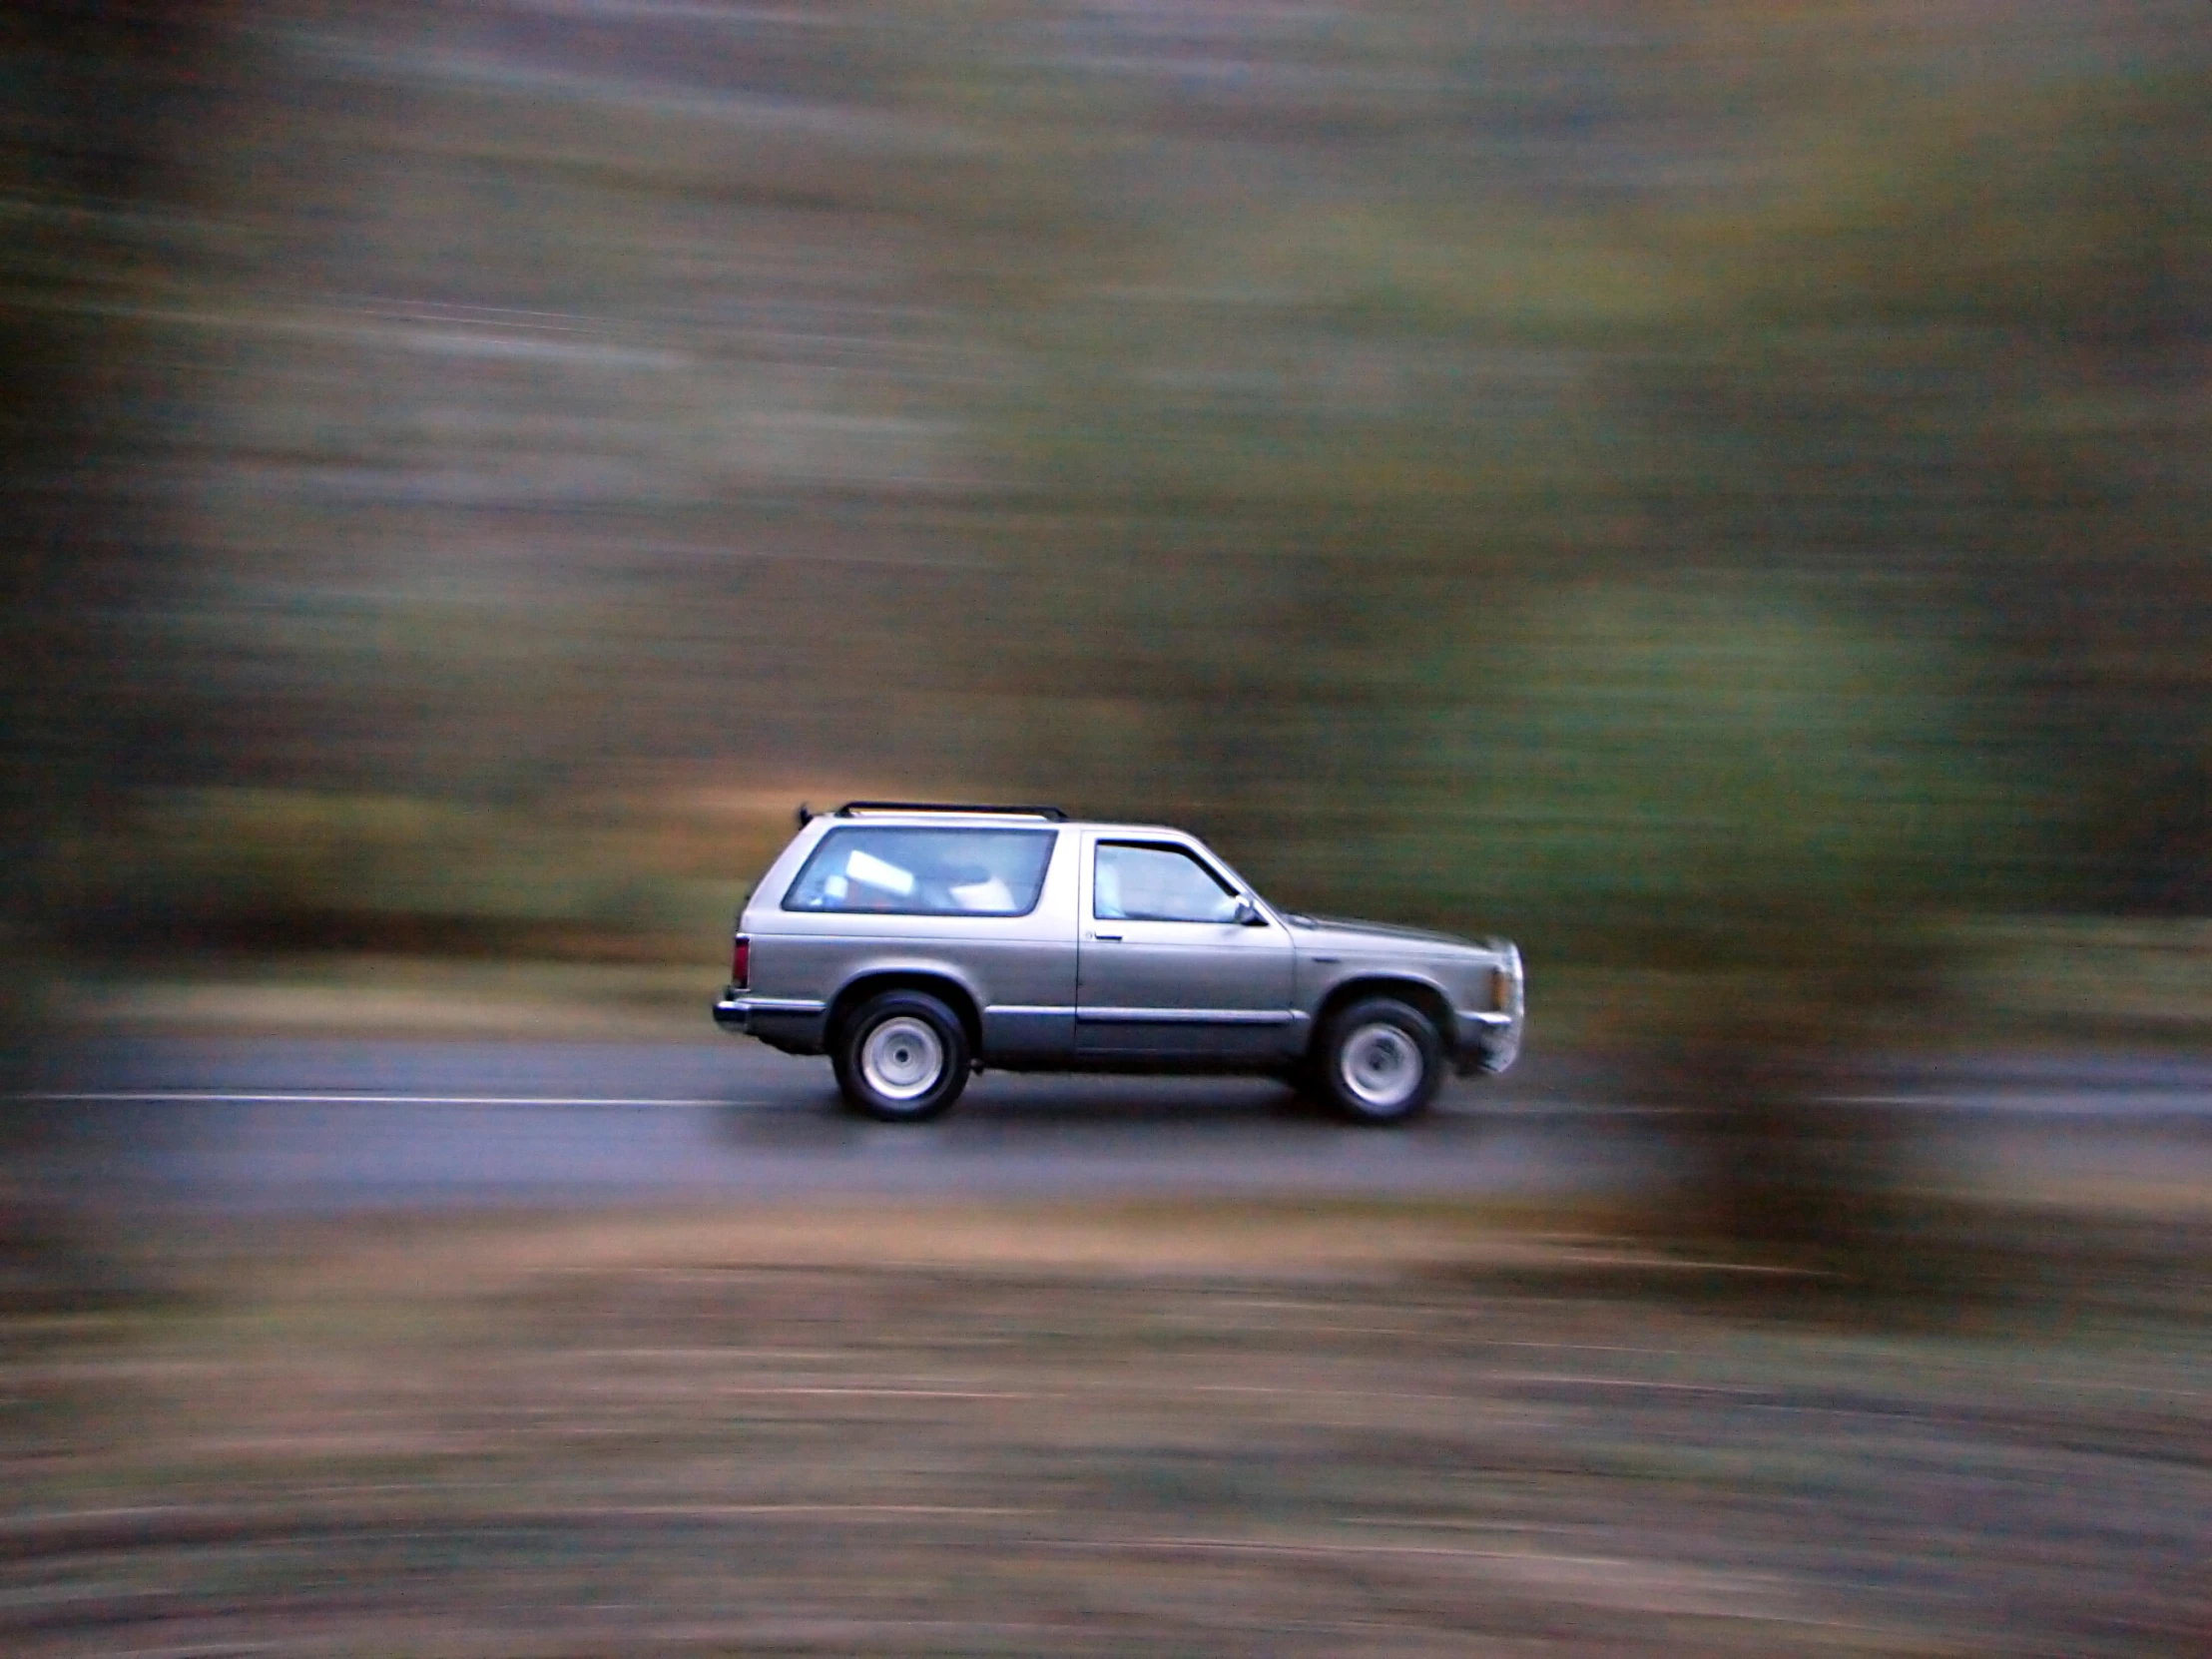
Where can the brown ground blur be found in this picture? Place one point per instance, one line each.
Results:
(1236, 1429)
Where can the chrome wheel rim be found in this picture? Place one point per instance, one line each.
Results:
(903, 1058)
(1380, 1067)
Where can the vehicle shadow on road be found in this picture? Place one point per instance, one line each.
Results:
(1013, 1108)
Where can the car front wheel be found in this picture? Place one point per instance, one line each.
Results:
(1379, 1061)
(901, 1058)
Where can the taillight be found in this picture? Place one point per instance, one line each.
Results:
(740, 962)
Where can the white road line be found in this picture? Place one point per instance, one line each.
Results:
(2130, 1103)
(2119, 1102)
(227, 1097)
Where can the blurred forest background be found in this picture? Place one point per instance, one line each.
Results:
(1717, 490)
(1720, 491)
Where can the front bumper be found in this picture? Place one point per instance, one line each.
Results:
(1487, 1042)
(1491, 1040)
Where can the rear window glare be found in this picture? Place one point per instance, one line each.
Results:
(877, 869)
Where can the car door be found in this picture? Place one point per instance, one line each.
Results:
(1166, 970)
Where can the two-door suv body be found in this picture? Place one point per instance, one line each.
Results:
(914, 944)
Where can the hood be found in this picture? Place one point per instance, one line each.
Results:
(1323, 933)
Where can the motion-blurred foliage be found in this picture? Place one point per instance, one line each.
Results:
(1641, 477)
(1663, 753)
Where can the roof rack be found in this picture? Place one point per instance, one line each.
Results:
(852, 809)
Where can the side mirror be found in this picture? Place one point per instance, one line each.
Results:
(1247, 914)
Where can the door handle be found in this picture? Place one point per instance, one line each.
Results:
(1114, 937)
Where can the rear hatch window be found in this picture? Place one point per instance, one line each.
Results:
(879, 869)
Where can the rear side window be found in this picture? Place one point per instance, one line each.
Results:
(877, 869)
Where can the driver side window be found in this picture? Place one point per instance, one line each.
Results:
(1135, 882)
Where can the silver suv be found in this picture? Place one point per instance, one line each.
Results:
(915, 943)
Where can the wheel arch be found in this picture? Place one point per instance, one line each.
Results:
(1415, 993)
(944, 986)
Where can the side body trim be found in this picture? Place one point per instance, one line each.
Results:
(1193, 1016)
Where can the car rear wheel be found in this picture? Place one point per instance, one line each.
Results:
(1379, 1061)
(903, 1057)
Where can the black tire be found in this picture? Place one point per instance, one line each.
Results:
(1379, 1061)
(902, 1057)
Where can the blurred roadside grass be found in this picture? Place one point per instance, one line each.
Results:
(1232, 1428)
(377, 995)
(239, 911)
(2019, 982)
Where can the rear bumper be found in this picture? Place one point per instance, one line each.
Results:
(792, 1023)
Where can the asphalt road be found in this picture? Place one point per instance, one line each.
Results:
(234, 1126)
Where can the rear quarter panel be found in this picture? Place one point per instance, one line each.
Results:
(1025, 961)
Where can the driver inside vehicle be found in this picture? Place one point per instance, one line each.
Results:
(1157, 884)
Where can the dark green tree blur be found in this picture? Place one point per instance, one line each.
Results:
(96, 100)
(1717, 490)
